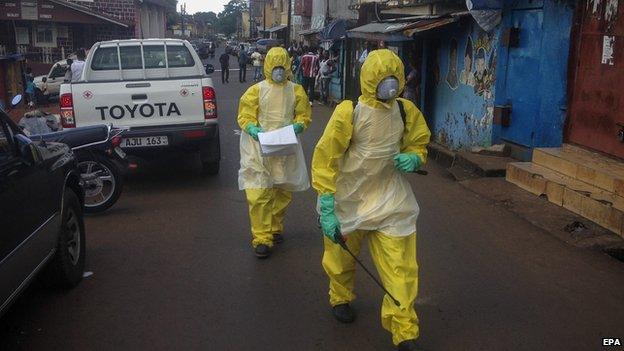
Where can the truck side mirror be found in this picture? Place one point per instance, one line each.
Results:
(16, 100)
(27, 149)
(209, 68)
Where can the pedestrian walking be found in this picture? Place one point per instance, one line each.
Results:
(268, 182)
(256, 57)
(243, 58)
(224, 60)
(309, 69)
(357, 170)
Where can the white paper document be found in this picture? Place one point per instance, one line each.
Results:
(279, 142)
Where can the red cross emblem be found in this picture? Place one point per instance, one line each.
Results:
(184, 92)
(87, 94)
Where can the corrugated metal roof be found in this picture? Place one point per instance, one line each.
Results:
(276, 28)
(310, 31)
(170, 4)
(397, 31)
(89, 12)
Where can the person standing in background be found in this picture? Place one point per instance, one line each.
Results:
(224, 60)
(242, 64)
(257, 63)
(412, 86)
(309, 68)
(326, 68)
(68, 72)
(29, 86)
(78, 65)
(297, 67)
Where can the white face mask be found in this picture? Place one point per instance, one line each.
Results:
(278, 75)
(388, 88)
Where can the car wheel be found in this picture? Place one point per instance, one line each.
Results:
(67, 266)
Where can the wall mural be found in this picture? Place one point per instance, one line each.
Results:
(451, 76)
(467, 77)
(485, 65)
(466, 118)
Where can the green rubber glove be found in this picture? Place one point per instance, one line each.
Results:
(253, 130)
(329, 221)
(298, 127)
(407, 162)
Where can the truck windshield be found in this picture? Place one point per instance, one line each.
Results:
(179, 56)
(154, 56)
(130, 57)
(105, 58)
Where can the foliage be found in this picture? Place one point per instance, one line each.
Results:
(225, 22)
(228, 18)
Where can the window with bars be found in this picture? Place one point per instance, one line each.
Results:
(45, 36)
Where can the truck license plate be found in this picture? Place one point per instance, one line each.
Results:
(145, 141)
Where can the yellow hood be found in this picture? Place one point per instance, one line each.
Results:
(378, 65)
(276, 57)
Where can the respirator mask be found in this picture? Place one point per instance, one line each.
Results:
(278, 75)
(388, 88)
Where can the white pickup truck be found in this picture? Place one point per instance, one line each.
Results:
(157, 87)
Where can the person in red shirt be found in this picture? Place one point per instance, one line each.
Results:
(309, 70)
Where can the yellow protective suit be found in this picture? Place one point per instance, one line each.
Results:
(269, 181)
(354, 161)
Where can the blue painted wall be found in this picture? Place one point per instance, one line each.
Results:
(459, 100)
(532, 78)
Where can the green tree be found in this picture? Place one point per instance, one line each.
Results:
(228, 18)
(205, 21)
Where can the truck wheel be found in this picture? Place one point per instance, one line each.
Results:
(66, 268)
(210, 156)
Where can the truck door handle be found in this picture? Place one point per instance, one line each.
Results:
(139, 96)
(138, 85)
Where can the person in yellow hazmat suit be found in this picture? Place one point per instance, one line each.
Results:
(269, 181)
(358, 171)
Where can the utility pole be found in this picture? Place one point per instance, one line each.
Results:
(251, 21)
(182, 13)
(288, 24)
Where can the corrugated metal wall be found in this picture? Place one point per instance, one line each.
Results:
(596, 113)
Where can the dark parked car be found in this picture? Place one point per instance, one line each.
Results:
(41, 206)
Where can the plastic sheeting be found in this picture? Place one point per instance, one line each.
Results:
(487, 13)
(484, 4)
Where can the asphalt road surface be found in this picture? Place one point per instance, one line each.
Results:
(173, 269)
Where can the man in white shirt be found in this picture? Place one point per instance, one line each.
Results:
(256, 58)
(78, 65)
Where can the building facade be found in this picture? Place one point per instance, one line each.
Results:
(45, 31)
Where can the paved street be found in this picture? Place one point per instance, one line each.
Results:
(173, 270)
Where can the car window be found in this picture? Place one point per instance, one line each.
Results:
(6, 149)
(130, 57)
(154, 56)
(105, 59)
(179, 56)
(58, 71)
